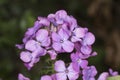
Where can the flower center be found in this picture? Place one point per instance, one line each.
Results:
(79, 60)
(66, 71)
(61, 41)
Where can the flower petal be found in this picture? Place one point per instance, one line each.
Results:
(55, 37)
(57, 46)
(59, 66)
(89, 39)
(72, 75)
(46, 42)
(52, 54)
(41, 35)
(84, 63)
(63, 34)
(80, 32)
(68, 46)
(61, 76)
(32, 45)
(86, 50)
(103, 76)
(25, 56)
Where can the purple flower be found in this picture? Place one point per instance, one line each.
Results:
(30, 59)
(42, 39)
(78, 62)
(21, 77)
(63, 72)
(60, 41)
(89, 73)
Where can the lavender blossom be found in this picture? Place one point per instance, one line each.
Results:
(63, 72)
(89, 73)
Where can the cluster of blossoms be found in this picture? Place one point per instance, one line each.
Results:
(57, 34)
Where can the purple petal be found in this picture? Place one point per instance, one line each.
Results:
(57, 46)
(84, 63)
(63, 34)
(61, 76)
(46, 77)
(74, 57)
(32, 45)
(75, 39)
(20, 46)
(46, 42)
(41, 35)
(89, 39)
(103, 76)
(60, 16)
(55, 37)
(68, 46)
(80, 32)
(59, 66)
(72, 74)
(72, 22)
(86, 50)
(25, 56)
(53, 77)
(52, 54)
(43, 21)
(76, 66)
(21, 77)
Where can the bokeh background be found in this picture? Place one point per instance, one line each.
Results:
(102, 17)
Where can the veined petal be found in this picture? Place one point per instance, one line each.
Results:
(32, 45)
(59, 66)
(103, 76)
(89, 39)
(25, 56)
(46, 42)
(84, 63)
(79, 32)
(41, 35)
(63, 34)
(68, 46)
(61, 76)
(55, 37)
(72, 74)
(86, 50)
(57, 46)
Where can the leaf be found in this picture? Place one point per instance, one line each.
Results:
(114, 78)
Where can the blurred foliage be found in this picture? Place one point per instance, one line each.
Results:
(114, 78)
(17, 15)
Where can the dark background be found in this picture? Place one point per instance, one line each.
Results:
(102, 17)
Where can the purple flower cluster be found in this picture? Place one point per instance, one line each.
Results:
(57, 34)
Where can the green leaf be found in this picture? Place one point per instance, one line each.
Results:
(114, 78)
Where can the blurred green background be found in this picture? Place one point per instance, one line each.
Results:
(102, 17)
